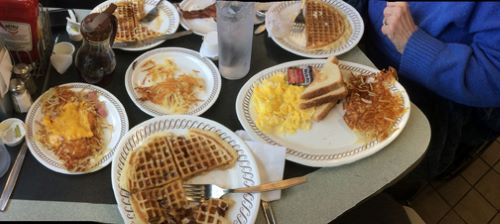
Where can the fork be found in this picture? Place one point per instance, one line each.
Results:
(299, 22)
(200, 192)
(152, 14)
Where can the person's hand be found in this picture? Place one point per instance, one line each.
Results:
(398, 24)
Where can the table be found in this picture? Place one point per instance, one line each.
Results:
(43, 195)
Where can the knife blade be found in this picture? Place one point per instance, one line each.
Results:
(158, 38)
(11, 180)
(268, 212)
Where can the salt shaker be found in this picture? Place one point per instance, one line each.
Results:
(20, 97)
(23, 71)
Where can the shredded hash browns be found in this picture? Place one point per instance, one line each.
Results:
(370, 108)
(73, 126)
(178, 92)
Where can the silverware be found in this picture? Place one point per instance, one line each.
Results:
(152, 14)
(158, 38)
(11, 180)
(200, 192)
(268, 212)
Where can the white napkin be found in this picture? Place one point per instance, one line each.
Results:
(5, 71)
(270, 161)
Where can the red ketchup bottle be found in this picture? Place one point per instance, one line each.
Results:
(19, 28)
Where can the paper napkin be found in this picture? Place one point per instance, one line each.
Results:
(270, 161)
(5, 71)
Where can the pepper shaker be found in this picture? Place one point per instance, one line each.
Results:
(23, 71)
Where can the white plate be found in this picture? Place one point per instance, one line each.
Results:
(187, 60)
(295, 42)
(329, 142)
(243, 173)
(167, 22)
(117, 117)
(205, 25)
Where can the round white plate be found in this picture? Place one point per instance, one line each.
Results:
(205, 25)
(243, 173)
(167, 22)
(187, 60)
(329, 142)
(296, 42)
(117, 117)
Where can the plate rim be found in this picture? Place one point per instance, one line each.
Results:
(117, 191)
(307, 159)
(352, 20)
(32, 143)
(154, 44)
(215, 74)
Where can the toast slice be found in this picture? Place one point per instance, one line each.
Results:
(323, 110)
(324, 81)
(332, 96)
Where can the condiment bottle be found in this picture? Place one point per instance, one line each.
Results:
(95, 58)
(20, 96)
(23, 71)
(19, 28)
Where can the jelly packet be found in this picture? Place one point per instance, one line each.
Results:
(300, 76)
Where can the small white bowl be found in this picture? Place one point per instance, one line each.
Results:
(8, 132)
(64, 48)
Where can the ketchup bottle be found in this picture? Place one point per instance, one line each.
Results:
(19, 28)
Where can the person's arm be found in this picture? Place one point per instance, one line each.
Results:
(467, 74)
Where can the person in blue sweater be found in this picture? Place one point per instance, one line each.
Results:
(448, 58)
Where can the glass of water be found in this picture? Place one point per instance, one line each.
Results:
(235, 34)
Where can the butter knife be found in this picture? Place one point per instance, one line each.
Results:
(11, 181)
(268, 212)
(158, 38)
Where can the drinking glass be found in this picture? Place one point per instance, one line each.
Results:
(235, 34)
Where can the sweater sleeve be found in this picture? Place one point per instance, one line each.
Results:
(466, 74)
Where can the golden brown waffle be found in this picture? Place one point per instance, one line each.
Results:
(325, 25)
(212, 211)
(160, 205)
(199, 152)
(128, 14)
(151, 166)
(153, 174)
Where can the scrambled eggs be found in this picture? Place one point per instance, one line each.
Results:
(276, 106)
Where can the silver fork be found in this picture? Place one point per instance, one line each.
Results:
(200, 192)
(152, 14)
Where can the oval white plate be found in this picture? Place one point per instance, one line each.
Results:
(329, 142)
(205, 25)
(243, 173)
(169, 21)
(117, 117)
(295, 42)
(187, 60)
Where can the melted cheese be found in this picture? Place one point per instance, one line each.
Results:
(71, 124)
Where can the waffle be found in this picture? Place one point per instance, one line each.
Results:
(151, 166)
(128, 14)
(212, 211)
(200, 151)
(166, 204)
(326, 27)
(154, 172)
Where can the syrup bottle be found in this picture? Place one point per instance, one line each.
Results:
(95, 58)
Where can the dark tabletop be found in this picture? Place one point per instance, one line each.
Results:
(36, 182)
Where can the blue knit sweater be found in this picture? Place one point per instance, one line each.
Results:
(455, 52)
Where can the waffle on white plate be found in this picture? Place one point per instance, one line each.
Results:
(154, 173)
(130, 30)
(325, 26)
